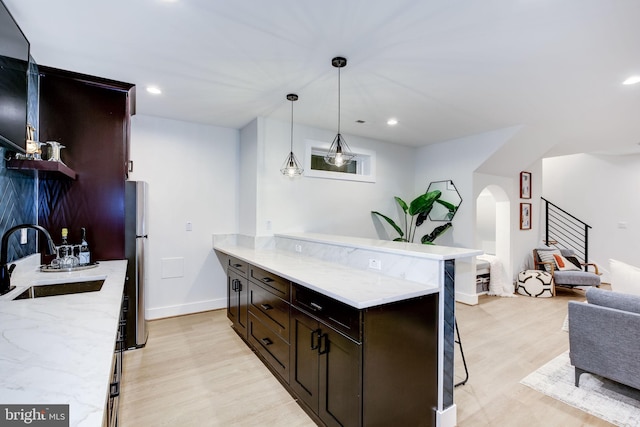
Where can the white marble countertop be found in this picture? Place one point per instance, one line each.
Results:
(59, 349)
(357, 288)
(416, 250)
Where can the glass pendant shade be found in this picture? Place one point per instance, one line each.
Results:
(291, 166)
(339, 153)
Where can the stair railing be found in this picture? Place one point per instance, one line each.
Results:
(565, 231)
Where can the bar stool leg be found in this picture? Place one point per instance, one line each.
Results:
(464, 361)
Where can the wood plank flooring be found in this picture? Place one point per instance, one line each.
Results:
(195, 371)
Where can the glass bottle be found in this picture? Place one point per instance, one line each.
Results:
(84, 255)
(63, 248)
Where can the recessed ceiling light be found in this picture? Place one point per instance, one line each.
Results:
(392, 122)
(632, 80)
(154, 90)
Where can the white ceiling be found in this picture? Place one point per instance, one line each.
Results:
(444, 69)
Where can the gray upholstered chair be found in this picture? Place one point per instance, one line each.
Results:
(604, 336)
(576, 276)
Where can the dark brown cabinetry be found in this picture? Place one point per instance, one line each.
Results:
(346, 366)
(237, 292)
(269, 319)
(90, 116)
(326, 370)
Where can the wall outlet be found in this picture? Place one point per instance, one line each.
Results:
(189, 226)
(376, 264)
(299, 248)
(23, 236)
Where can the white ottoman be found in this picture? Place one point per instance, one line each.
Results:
(535, 283)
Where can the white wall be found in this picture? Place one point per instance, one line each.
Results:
(601, 190)
(325, 205)
(192, 174)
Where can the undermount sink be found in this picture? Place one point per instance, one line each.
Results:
(39, 291)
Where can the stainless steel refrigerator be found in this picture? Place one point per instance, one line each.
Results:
(135, 235)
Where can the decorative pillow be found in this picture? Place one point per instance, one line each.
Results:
(547, 255)
(624, 277)
(564, 264)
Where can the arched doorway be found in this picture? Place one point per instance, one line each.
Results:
(493, 225)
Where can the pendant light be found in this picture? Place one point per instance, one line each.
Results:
(339, 153)
(291, 166)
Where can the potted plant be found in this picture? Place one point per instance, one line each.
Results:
(415, 214)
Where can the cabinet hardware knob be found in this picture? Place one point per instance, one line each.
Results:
(266, 306)
(266, 341)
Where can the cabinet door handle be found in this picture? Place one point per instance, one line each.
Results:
(239, 287)
(266, 341)
(266, 307)
(316, 307)
(233, 285)
(267, 279)
(323, 344)
(115, 389)
(315, 344)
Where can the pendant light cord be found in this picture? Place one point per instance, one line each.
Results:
(291, 126)
(339, 100)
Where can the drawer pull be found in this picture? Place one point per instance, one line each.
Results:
(316, 307)
(267, 279)
(237, 265)
(266, 341)
(266, 307)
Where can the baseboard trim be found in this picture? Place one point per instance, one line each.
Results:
(469, 299)
(182, 309)
(448, 417)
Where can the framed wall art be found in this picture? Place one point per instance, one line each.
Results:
(525, 216)
(525, 185)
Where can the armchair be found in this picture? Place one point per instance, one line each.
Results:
(565, 268)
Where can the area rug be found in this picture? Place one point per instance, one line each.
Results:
(613, 402)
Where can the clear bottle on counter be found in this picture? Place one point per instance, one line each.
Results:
(84, 256)
(64, 246)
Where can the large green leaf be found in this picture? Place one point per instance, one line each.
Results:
(424, 202)
(390, 221)
(402, 204)
(428, 239)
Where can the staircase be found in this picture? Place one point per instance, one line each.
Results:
(565, 231)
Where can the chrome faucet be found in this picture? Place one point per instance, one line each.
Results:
(6, 270)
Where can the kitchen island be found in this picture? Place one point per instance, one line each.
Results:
(59, 349)
(392, 321)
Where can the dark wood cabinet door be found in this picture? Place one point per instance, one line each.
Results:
(340, 385)
(243, 307)
(237, 292)
(304, 358)
(232, 297)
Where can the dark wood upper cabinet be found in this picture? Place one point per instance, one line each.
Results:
(90, 116)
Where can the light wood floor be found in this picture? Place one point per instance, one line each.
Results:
(195, 371)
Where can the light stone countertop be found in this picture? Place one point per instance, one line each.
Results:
(357, 288)
(59, 349)
(415, 250)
